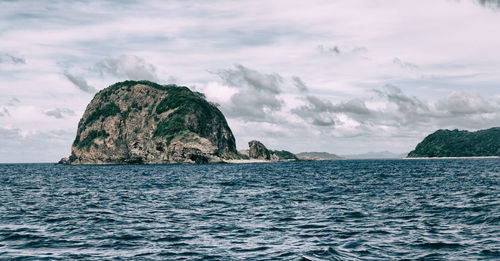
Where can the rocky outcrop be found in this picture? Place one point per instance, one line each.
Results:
(257, 150)
(140, 122)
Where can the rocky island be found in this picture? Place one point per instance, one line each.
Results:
(141, 122)
(459, 143)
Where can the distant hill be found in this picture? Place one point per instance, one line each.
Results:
(282, 155)
(317, 156)
(459, 143)
(376, 155)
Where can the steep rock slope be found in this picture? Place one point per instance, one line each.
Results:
(144, 122)
(257, 150)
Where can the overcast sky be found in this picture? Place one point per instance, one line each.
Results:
(344, 77)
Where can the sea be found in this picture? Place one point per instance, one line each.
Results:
(446, 209)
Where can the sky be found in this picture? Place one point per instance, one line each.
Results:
(345, 76)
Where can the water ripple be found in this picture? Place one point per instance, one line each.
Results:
(341, 210)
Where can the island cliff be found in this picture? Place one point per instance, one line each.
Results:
(146, 123)
(455, 143)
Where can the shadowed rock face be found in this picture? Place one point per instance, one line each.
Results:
(257, 150)
(140, 122)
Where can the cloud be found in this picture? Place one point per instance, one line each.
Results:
(328, 50)
(79, 82)
(409, 106)
(323, 113)
(21, 146)
(129, 67)
(244, 77)
(316, 112)
(4, 112)
(398, 113)
(257, 96)
(11, 59)
(457, 110)
(492, 4)
(299, 84)
(344, 51)
(13, 102)
(59, 113)
(405, 65)
(462, 104)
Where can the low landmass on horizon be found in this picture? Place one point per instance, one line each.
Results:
(459, 143)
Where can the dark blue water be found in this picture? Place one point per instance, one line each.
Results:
(340, 210)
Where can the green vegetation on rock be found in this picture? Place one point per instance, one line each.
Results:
(91, 136)
(456, 143)
(177, 97)
(109, 109)
(170, 127)
(284, 155)
(186, 103)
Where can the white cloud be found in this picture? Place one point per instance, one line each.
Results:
(299, 84)
(79, 82)
(127, 67)
(257, 95)
(19, 146)
(405, 65)
(493, 4)
(9, 58)
(59, 113)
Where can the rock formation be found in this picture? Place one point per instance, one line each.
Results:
(257, 150)
(143, 122)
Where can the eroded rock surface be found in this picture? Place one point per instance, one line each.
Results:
(140, 122)
(257, 150)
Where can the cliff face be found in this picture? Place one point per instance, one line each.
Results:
(143, 122)
(455, 143)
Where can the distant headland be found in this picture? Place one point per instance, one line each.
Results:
(459, 143)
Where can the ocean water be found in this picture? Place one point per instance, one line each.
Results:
(339, 210)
